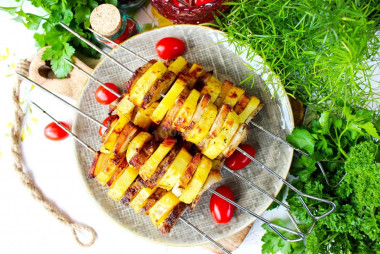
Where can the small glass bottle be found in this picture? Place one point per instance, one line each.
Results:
(110, 22)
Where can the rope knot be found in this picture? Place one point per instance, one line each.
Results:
(85, 232)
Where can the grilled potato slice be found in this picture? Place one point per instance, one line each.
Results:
(163, 167)
(116, 174)
(216, 126)
(221, 141)
(121, 184)
(144, 154)
(213, 178)
(239, 137)
(125, 106)
(109, 141)
(195, 72)
(137, 75)
(161, 210)
(140, 200)
(200, 109)
(136, 144)
(218, 164)
(233, 96)
(110, 123)
(142, 117)
(185, 114)
(172, 219)
(142, 86)
(150, 166)
(201, 128)
(251, 107)
(172, 113)
(113, 134)
(243, 102)
(105, 175)
(198, 180)
(175, 170)
(181, 185)
(162, 85)
(132, 191)
(127, 134)
(169, 99)
(226, 87)
(254, 113)
(213, 88)
(178, 65)
(152, 200)
(99, 163)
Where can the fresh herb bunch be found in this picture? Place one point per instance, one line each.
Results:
(347, 148)
(319, 49)
(63, 44)
(325, 53)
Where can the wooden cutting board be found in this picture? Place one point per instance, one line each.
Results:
(72, 86)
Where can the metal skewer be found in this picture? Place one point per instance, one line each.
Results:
(65, 129)
(94, 151)
(95, 47)
(300, 194)
(93, 78)
(204, 235)
(118, 45)
(61, 100)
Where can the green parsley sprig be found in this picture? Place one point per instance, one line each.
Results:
(63, 44)
(348, 152)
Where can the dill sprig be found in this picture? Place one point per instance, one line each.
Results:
(325, 52)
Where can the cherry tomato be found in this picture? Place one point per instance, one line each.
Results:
(176, 3)
(170, 47)
(238, 160)
(102, 129)
(105, 97)
(200, 2)
(221, 210)
(53, 131)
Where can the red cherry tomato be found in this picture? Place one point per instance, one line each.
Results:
(200, 2)
(221, 210)
(53, 131)
(102, 129)
(170, 47)
(176, 3)
(238, 160)
(103, 96)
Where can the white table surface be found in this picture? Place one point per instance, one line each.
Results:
(25, 226)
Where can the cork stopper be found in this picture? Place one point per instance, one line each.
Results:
(106, 20)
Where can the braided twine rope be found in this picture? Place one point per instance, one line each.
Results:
(23, 68)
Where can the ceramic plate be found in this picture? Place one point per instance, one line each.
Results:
(201, 46)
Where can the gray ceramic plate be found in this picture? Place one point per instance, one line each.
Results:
(275, 116)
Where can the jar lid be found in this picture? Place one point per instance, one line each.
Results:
(106, 19)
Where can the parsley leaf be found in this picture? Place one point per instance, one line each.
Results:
(301, 138)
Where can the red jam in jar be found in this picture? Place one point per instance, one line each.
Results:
(192, 12)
